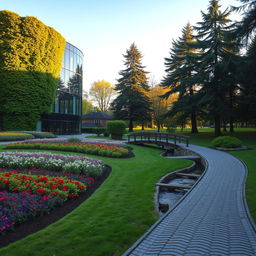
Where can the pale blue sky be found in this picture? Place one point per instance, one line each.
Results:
(103, 30)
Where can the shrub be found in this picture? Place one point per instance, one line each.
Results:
(9, 136)
(74, 140)
(116, 128)
(106, 133)
(226, 142)
(41, 135)
(99, 130)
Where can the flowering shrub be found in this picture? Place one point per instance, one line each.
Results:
(41, 185)
(81, 147)
(52, 162)
(18, 207)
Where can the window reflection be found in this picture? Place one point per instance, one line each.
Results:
(69, 93)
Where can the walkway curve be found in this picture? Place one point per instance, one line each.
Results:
(211, 220)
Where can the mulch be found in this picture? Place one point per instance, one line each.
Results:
(41, 222)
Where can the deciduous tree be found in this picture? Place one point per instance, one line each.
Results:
(102, 92)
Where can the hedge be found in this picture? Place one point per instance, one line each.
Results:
(30, 62)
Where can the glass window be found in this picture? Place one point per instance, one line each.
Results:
(71, 67)
(67, 59)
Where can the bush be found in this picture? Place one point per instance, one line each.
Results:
(226, 142)
(74, 140)
(10, 136)
(41, 135)
(116, 128)
(99, 130)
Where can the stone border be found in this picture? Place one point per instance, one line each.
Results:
(231, 149)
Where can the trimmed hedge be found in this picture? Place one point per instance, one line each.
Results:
(41, 135)
(15, 137)
(116, 128)
(226, 142)
(30, 62)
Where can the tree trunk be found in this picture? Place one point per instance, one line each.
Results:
(142, 126)
(193, 123)
(158, 126)
(224, 126)
(231, 128)
(217, 130)
(130, 125)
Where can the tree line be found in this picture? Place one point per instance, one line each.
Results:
(207, 78)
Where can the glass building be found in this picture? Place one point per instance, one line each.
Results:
(67, 108)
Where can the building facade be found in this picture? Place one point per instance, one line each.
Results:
(67, 108)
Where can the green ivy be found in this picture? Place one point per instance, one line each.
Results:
(30, 61)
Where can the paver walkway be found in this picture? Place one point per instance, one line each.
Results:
(212, 218)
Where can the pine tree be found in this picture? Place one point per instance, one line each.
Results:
(133, 102)
(247, 26)
(179, 79)
(216, 46)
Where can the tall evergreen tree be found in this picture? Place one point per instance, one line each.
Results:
(212, 38)
(180, 72)
(247, 84)
(247, 26)
(133, 102)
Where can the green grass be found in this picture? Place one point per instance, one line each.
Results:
(112, 219)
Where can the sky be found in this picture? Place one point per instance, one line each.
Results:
(105, 29)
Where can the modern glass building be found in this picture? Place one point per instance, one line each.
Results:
(67, 109)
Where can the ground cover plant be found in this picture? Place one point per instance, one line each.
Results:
(81, 147)
(226, 142)
(114, 216)
(9, 136)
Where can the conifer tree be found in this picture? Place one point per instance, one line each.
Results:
(133, 102)
(180, 68)
(247, 26)
(212, 38)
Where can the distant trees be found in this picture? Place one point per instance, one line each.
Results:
(87, 105)
(133, 102)
(102, 93)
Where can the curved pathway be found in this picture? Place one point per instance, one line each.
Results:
(212, 218)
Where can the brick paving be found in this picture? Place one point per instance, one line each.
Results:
(212, 219)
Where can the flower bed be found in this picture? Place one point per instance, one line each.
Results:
(27, 192)
(16, 208)
(52, 162)
(81, 147)
(41, 185)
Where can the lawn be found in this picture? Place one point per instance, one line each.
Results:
(113, 218)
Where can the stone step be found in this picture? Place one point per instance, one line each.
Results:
(171, 186)
(194, 176)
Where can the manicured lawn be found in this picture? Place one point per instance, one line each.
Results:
(110, 221)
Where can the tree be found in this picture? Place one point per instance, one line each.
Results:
(133, 102)
(160, 106)
(247, 82)
(212, 38)
(247, 26)
(180, 69)
(87, 105)
(102, 93)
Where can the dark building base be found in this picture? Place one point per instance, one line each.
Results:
(61, 123)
